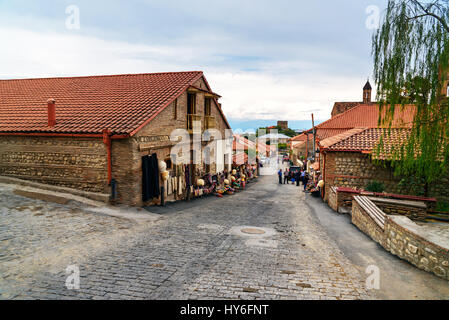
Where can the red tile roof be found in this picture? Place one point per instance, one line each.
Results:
(120, 103)
(364, 115)
(242, 141)
(339, 137)
(367, 115)
(340, 107)
(321, 134)
(324, 133)
(369, 139)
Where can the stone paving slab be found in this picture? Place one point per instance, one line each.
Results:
(188, 254)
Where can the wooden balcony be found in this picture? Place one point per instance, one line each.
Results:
(191, 118)
(209, 122)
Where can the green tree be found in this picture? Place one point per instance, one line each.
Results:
(288, 132)
(411, 58)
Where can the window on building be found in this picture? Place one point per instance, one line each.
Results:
(168, 162)
(175, 109)
(207, 108)
(191, 103)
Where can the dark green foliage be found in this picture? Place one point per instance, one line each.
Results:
(282, 146)
(411, 58)
(375, 186)
(442, 206)
(288, 132)
(413, 186)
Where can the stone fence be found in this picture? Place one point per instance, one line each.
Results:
(414, 207)
(403, 238)
(414, 210)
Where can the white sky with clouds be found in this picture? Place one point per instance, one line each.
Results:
(268, 59)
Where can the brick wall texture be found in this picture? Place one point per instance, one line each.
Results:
(81, 163)
(357, 170)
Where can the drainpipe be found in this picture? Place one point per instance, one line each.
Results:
(324, 173)
(314, 139)
(319, 161)
(108, 144)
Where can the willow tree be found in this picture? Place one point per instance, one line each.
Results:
(411, 58)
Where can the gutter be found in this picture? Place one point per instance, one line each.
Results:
(70, 135)
(108, 143)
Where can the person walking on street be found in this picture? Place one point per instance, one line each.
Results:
(280, 176)
(297, 177)
(286, 176)
(306, 180)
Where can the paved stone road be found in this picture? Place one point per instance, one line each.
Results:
(195, 251)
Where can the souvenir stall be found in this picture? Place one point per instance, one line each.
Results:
(315, 184)
(165, 182)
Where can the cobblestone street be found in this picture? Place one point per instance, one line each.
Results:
(195, 251)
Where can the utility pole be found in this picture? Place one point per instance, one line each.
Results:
(314, 138)
(307, 145)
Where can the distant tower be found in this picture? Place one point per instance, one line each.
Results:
(283, 124)
(367, 92)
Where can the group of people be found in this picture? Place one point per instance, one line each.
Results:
(299, 176)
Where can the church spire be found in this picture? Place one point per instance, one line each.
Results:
(367, 92)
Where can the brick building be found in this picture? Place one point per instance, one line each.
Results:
(302, 145)
(350, 160)
(84, 132)
(360, 116)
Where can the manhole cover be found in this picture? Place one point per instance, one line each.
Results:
(253, 231)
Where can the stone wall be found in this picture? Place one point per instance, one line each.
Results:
(407, 240)
(366, 224)
(332, 199)
(356, 170)
(79, 163)
(416, 208)
(396, 207)
(340, 201)
(344, 199)
(127, 171)
(155, 136)
(440, 189)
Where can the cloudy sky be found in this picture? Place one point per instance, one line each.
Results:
(268, 59)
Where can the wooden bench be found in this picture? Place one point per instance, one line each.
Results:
(372, 210)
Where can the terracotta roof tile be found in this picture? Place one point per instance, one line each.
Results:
(369, 139)
(339, 137)
(340, 107)
(120, 103)
(321, 134)
(367, 115)
(363, 115)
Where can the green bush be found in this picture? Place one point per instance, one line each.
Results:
(375, 186)
(413, 185)
(442, 206)
(282, 146)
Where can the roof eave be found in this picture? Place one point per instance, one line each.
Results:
(166, 105)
